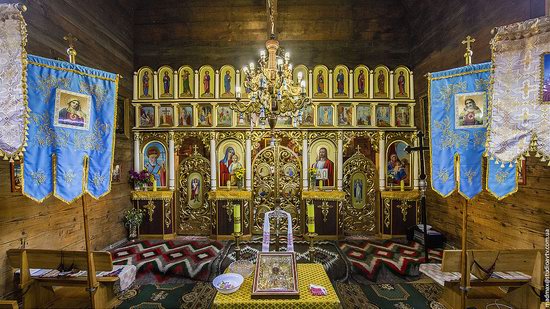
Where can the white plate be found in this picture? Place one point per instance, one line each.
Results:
(235, 280)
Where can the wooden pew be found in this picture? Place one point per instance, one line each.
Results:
(519, 291)
(39, 292)
(8, 304)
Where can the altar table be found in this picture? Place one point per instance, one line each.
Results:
(307, 274)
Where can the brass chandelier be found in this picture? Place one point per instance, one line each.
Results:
(272, 92)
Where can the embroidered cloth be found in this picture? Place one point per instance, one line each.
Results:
(307, 274)
(71, 130)
(458, 119)
(13, 105)
(267, 230)
(521, 90)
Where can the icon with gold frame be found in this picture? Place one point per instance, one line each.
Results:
(224, 116)
(275, 276)
(345, 115)
(308, 116)
(204, 115)
(325, 115)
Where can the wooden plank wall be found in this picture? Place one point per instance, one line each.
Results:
(519, 220)
(218, 32)
(104, 29)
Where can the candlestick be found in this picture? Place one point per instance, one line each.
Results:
(402, 184)
(311, 217)
(236, 218)
(154, 185)
(229, 185)
(321, 184)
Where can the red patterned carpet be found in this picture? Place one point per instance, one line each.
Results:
(184, 258)
(369, 257)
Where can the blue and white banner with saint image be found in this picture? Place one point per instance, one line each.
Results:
(458, 127)
(71, 122)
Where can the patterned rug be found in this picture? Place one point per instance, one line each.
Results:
(326, 253)
(165, 259)
(386, 296)
(189, 296)
(370, 257)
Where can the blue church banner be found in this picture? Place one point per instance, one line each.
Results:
(458, 127)
(71, 130)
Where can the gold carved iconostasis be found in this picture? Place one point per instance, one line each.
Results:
(356, 130)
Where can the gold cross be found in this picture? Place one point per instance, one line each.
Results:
(150, 209)
(468, 41)
(195, 149)
(358, 148)
(71, 51)
(469, 52)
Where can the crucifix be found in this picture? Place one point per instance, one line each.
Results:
(358, 148)
(468, 55)
(71, 51)
(195, 149)
(422, 185)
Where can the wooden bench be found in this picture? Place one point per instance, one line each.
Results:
(515, 277)
(39, 292)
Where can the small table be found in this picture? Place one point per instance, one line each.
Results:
(307, 274)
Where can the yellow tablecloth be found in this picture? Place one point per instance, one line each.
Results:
(307, 274)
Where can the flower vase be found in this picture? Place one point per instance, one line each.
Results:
(239, 184)
(312, 183)
(132, 232)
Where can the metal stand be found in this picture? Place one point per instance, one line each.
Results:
(237, 245)
(311, 250)
(422, 185)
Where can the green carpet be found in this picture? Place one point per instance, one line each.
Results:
(193, 296)
(382, 296)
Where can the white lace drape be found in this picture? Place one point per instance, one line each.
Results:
(13, 57)
(520, 119)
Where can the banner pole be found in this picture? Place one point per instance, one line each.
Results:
(91, 267)
(463, 256)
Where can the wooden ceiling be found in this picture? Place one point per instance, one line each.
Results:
(217, 32)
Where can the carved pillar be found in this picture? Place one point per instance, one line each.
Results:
(391, 90)
(196, 86)
(340, 160)
(411, 85)
(137, 139)
(213, 162)
(136, 88)
(382, 161)
(371, 84)
(305, 163)
(171, 165)
(330, 84)
(155, 85)
(310, 83)
(248, 163)
(350, 83)
(217, 84)
(176, 85)
(238, 81)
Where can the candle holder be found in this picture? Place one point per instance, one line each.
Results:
(237, 245)
(311, 250)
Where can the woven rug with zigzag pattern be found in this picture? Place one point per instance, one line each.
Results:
(166, 258)
(369, 257)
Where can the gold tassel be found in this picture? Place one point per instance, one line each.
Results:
(502, 165)
(511, 165)
(537, 155)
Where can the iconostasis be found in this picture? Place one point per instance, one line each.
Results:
(356, 115)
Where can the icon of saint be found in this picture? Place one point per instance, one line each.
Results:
(324, 166)
(72, 114)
